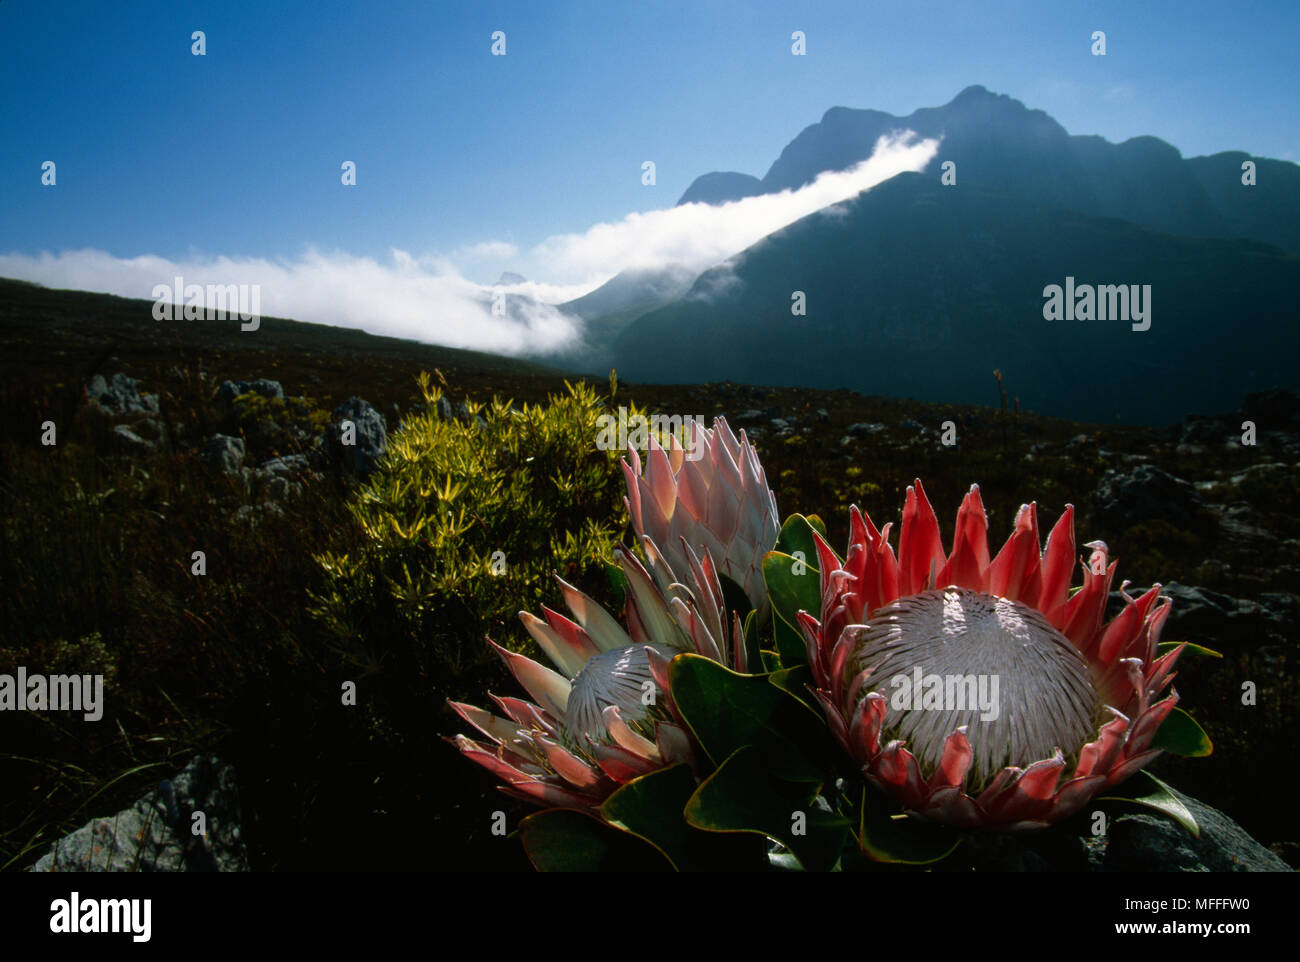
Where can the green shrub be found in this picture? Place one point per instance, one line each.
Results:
(461, 528)
(276, 424)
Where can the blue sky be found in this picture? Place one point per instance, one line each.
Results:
(237, 153)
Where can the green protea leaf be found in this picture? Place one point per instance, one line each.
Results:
(886, 836)
(1182, 735)
(566, 840)
(743, 796)
(727, 711)
(1190, 649)
(1150, 792)
(793, 585)
(652, 808)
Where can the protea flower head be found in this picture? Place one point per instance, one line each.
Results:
(719, 502)
(1076, 699)
(606, 715)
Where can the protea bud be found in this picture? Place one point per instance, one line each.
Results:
(714, 498)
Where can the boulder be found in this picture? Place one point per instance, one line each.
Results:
(369, 439)
(281, 474)
(130, 442)
(1154, 843)
(1135, 841)
(156, 833)
(1145, 493)
(224, 453)
(120, 395)
(864, 429)
(267, 388)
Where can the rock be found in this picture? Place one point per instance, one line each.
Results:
(460, 412)
(369, 436)
(286, 466)
(120, 395)
(224, 453)
(254, 514)
(1144, 493)
(863, 429)
(1204, 613)
(1081, 444)
(281, 474)
(230, 390)
(150, 430)
(1271, 470)
(1153, 843)
(1241, 522)
(1275, 413)
(154, 834)
(130, 442)
(1135, 842)
(1199, 431)
(1220, 621)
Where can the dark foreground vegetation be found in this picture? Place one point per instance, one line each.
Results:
(389, 583)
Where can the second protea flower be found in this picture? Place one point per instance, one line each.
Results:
(604, 714)
(712, 497)
(1077, 700)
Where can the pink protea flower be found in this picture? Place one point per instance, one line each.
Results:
(719, 502)
(1077, 698)
(606, 716)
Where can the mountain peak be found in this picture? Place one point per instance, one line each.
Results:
(720, 187)
(976, 92)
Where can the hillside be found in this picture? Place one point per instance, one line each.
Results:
(919, 290)
(96, 541)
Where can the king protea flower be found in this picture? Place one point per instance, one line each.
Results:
(1077, 698)
(606, 715)
(719, 502)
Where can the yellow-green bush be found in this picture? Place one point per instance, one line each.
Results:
(461, 528)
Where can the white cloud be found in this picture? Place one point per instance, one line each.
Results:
(428, 298)
(700, 235)
(419, 298)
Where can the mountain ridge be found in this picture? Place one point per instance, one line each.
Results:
(919, 290)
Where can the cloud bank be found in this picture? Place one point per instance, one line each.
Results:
(428, 298)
